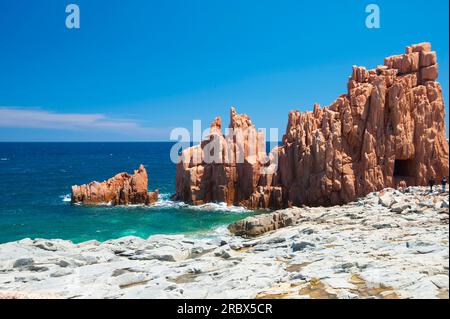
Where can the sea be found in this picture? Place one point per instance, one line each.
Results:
(35, 183)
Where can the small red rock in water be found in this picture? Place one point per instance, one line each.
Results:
(122, 189)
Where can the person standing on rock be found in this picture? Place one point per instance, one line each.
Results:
(444, 183)
(431, 184)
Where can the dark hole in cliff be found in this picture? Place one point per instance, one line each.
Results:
(404, 168)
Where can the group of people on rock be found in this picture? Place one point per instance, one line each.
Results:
(431, 183)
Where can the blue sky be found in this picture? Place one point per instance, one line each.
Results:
(135, 69)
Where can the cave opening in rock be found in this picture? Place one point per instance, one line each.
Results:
(404, 168)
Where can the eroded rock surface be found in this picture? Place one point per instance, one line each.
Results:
(122, 189)
(224, 168)
(387, 131)
(360, 250)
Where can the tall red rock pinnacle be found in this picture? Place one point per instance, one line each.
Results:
(388, 129)
(223, 168)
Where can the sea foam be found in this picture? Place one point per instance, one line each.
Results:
(66, 198)
(164, 201)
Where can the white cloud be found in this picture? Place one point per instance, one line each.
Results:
(36, 118)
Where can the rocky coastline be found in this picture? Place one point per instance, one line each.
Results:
(387, 130)
(389, 244)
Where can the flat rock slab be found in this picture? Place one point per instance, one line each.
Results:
(335, 252)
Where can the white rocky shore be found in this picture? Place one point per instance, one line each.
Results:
(387, 245)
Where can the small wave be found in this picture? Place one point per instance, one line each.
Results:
(3, 159)
(164, 201)
(221, 230)
(103, 204)
(212, 233)
(66, 198)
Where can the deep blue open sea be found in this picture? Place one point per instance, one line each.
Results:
(35, 181)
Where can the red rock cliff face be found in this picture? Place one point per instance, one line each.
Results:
(122, 189)
(388, 128)
(230, 172)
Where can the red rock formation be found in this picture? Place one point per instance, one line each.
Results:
(222, 168)
(388, 128)
(122, 189)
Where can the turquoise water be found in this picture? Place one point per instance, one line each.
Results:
(35, 180)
